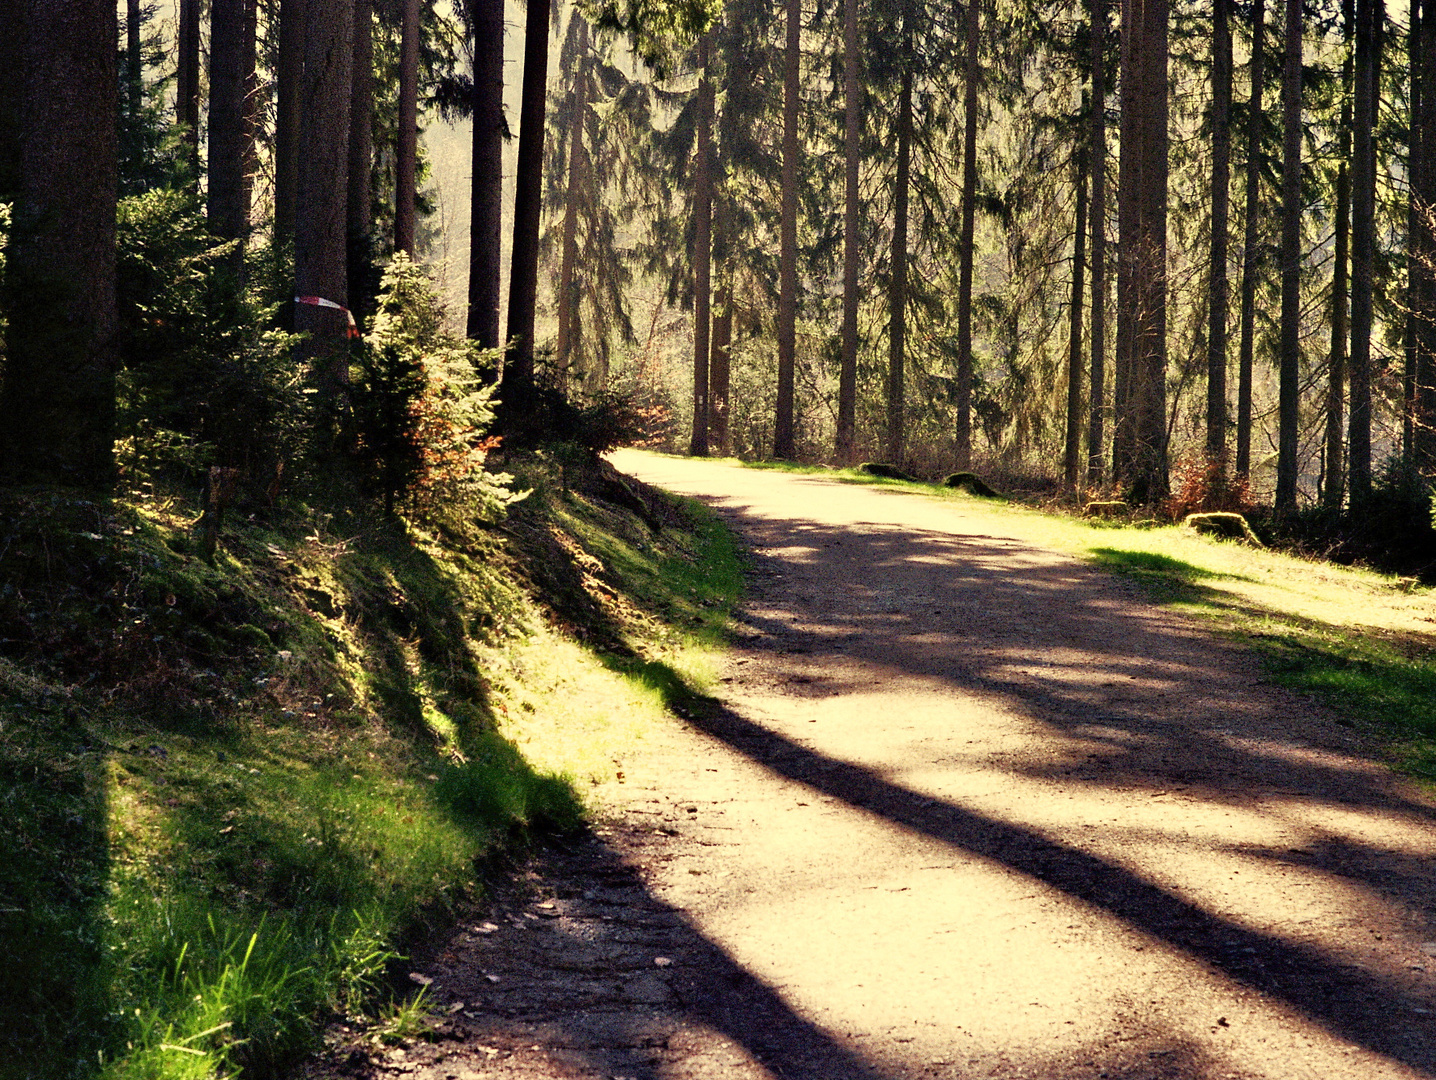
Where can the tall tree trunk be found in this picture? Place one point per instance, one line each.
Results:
(1289, 368)
(897, 290)
(57, 401)
(1143, 211)
(1424, 294)
(962, 433)
(361, 157)
(577, 179)
(293, 18)
(134, 58)
(720, 362)
(486, 195)
(702, 249)
(1096, 437)
(321, 217)
(406, 158)
(1415, 149)
(1073, 455)
(846, 448)
(528, 200)
(1250, 251)
(1217, 290)
(1335, 460)
(784, 446)
(1363, 246)
(187, 89)
(231, 57)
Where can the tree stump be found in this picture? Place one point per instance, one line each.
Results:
(1227, 526)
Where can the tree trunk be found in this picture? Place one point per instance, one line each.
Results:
(568, 259)
(1363, 246)
(361, 157)
(486, 195)
(1217, 291)
(187, 89)
(846, 448)
(406, 157)
(293, 17)
(134, 58)
(1415, 149)
(231, 57)
(528, 200)
(702, 250)
(720, 362)
(1250, 251)
(962, 434)
(1073, 455)
(784, 446)
(1289, 367)
(1335, 461)
(1142, 204)
(1423, 300)
(1096, 436)
(897, 290)
(321, 213)
(57, 402)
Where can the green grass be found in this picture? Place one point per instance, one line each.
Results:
(230, 793)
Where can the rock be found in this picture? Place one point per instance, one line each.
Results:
(972, 484)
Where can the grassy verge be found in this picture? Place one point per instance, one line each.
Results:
(231, 792)
(1363, 642)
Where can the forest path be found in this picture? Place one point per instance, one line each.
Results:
(968, 809)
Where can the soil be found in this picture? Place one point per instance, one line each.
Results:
(965, 808)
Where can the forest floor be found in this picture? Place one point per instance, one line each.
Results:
(962, 807)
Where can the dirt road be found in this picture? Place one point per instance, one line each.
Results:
(969, 809)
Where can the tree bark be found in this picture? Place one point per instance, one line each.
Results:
(1424, 294)
(784, 443)
(406, 158)
(962, 434)
(1096, 437)
(846, 448)
(231, 58)
(293, 17)
(1143, 254)
(702, 250)
(568, 259)
(187, 89)
(720, 363)
(897, 289)
(1250, 251)
(1415, 149)
(361, 156)
(486, 196)
(1073, 455)
(1363, 247)
(1334, 470)
(321, 217)
(528, 200)
(134, 58)
(57, 402)
(1289, 367)
(1217, 291)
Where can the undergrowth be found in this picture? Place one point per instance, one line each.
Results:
(232, 791)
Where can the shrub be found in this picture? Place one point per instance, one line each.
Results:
(1202, 484)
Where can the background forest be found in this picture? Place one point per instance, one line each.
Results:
(1074, 246)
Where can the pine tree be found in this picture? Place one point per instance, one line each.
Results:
(1289, 371)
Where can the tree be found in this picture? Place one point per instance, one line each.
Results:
(1423, 273)
(1217, 280)
(963, 427)
(359, 230)
(321, 218)
(1251, 252)
(1290, 362)
(486, 18)
(1073, 442)
(783, 436)
(528, 202)
(1363, 245)
(846, 447)
(1142, 259)
(187, 88)
(898, 285)
(289, 72)
(1335, 459)
(58, 101)
(407, 151)
(231, 61)
(702, 250)
(1096, 458)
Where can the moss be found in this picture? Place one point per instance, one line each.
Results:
(1228, 526)
(885, 470)
(972, 484)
